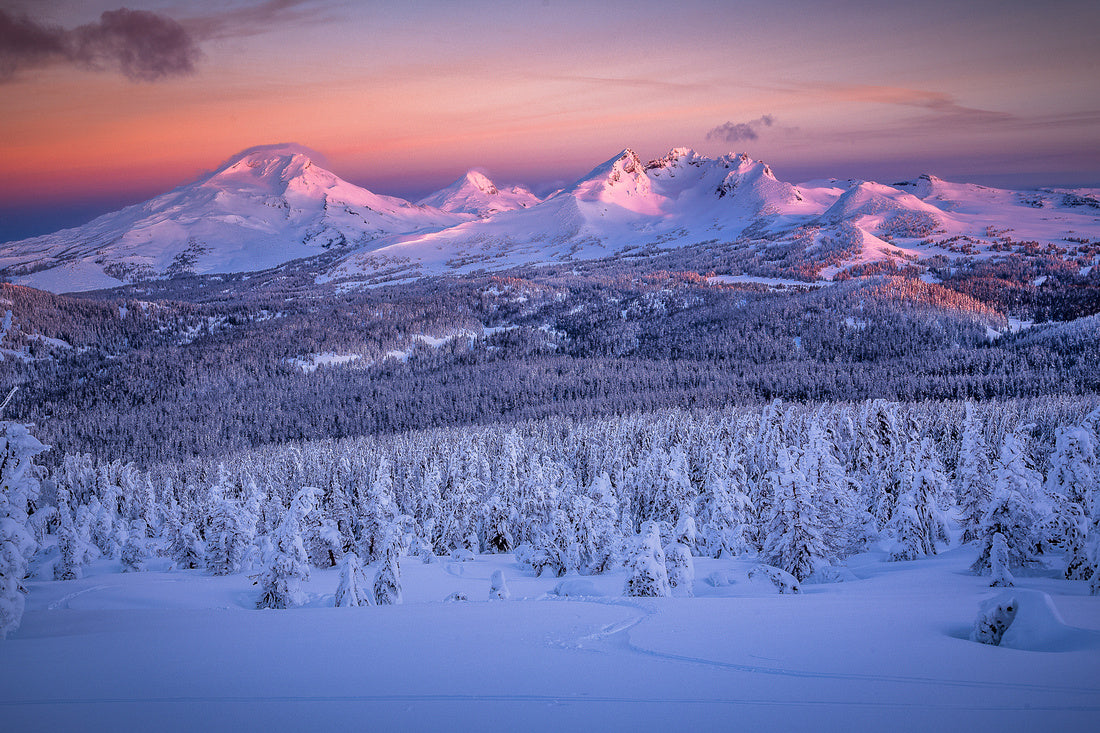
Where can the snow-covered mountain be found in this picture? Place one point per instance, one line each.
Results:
(262, 207)
(475, 194)
(269, 205)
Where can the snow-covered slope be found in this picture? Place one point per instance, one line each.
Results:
(475, 194)
(272, 204)
(265, 206)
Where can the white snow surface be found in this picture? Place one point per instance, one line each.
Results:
(272, 204)
(885, 650)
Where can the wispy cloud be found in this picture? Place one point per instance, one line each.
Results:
(942, 106)
(140, 45)
(254, 20)
(732, 132)
(627, 82)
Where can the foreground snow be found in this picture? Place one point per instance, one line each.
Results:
(887, 650)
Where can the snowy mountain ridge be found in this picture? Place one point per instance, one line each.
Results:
(272, 204)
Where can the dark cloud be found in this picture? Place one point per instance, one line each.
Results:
(141, 45)
(732, 132)
(25, 43)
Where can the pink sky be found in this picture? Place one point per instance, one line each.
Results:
(403, 98)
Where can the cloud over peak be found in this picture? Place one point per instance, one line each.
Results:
(732, 132)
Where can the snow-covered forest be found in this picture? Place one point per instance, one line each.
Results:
(799, 487)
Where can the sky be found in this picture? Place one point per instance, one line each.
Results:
(104, 105)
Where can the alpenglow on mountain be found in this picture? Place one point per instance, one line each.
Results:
(273, 204)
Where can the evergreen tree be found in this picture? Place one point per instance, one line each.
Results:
(1012, 513)
(648, 574)
(729, 529)
(497, 524)
(353, 589)
(1071, 481)
(286, 562)
(133, 549)
(678, 560)
(227, 540)
(973, 474)
(998, 561)
(914, 520)
(19, 489)
(377, 512)
(387, 583)
(793, 541)
(836, 502)
(70, 558)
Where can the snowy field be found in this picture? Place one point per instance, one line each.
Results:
(886, 649)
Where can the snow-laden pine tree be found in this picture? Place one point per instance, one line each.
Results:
(190, 550)
(18, 491)
(1012, 511)
(387, 583)
(648, 574)
(730, 527)
(1070, 483)
(794, 534)
(556, 549)
(227, 540)
(286, 562)
(834, 495)
(914, 523)
(460, 502)
(70, 555)
(497, 525)
(377, 512)
(678, 561)
(602, 545)
(323, 541)
(876, 454)
(973, 476)
(1092, 551)
(134, 548)
(998, 562)
(353, 589)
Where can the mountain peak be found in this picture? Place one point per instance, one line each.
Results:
(272, 167)
(481, 182)
(475, 193)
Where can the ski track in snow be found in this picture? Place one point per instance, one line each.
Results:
(528, 698)
(63, 602)
(615, 638)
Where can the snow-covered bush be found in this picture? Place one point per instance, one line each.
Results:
(780, 579)
(993, 621)
(498, 587)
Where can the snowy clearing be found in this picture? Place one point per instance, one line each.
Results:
(886, 650)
